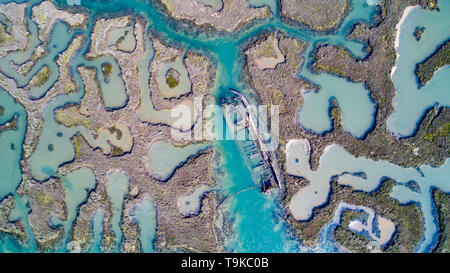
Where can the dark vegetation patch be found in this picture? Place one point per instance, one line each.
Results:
(106, 69)
(319, 15)
(346, 237)
(442, 201)
(172, 78)
(406, 218)
(440, 58)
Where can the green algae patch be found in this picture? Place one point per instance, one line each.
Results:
(267, 50)
(172, 78)
(106, 69)
(431, 4)
(41, 77)
(5, 37)
(77, 145)
(116, 151)
(336, 115)
(3, 34)
(71, 116)
(44, 199)
(277, 96)
(269, 54)
(442, 131)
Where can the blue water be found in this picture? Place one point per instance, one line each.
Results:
(59, 41)
(144, 215)
(78, 184)
(97, 231)
(11, 142)
(336, 162)
(164, 158)
(11, 150)
(324, 244)
(258, 222)
(114, 95)
(411, 100)
(117, 185)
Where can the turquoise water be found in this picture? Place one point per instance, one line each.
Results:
(412, 101)
(97, 220)
(11, 150)
(191, 203)
(117, 184)
(59, 41)
(144, 215)
(114, 95)
(337, 162)
(11, 143)
(164, 158)
(78, 184)
(258, 220)
(21, 57)
(351, 97)
(184, 84)
(314, 115)
(251, 208)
